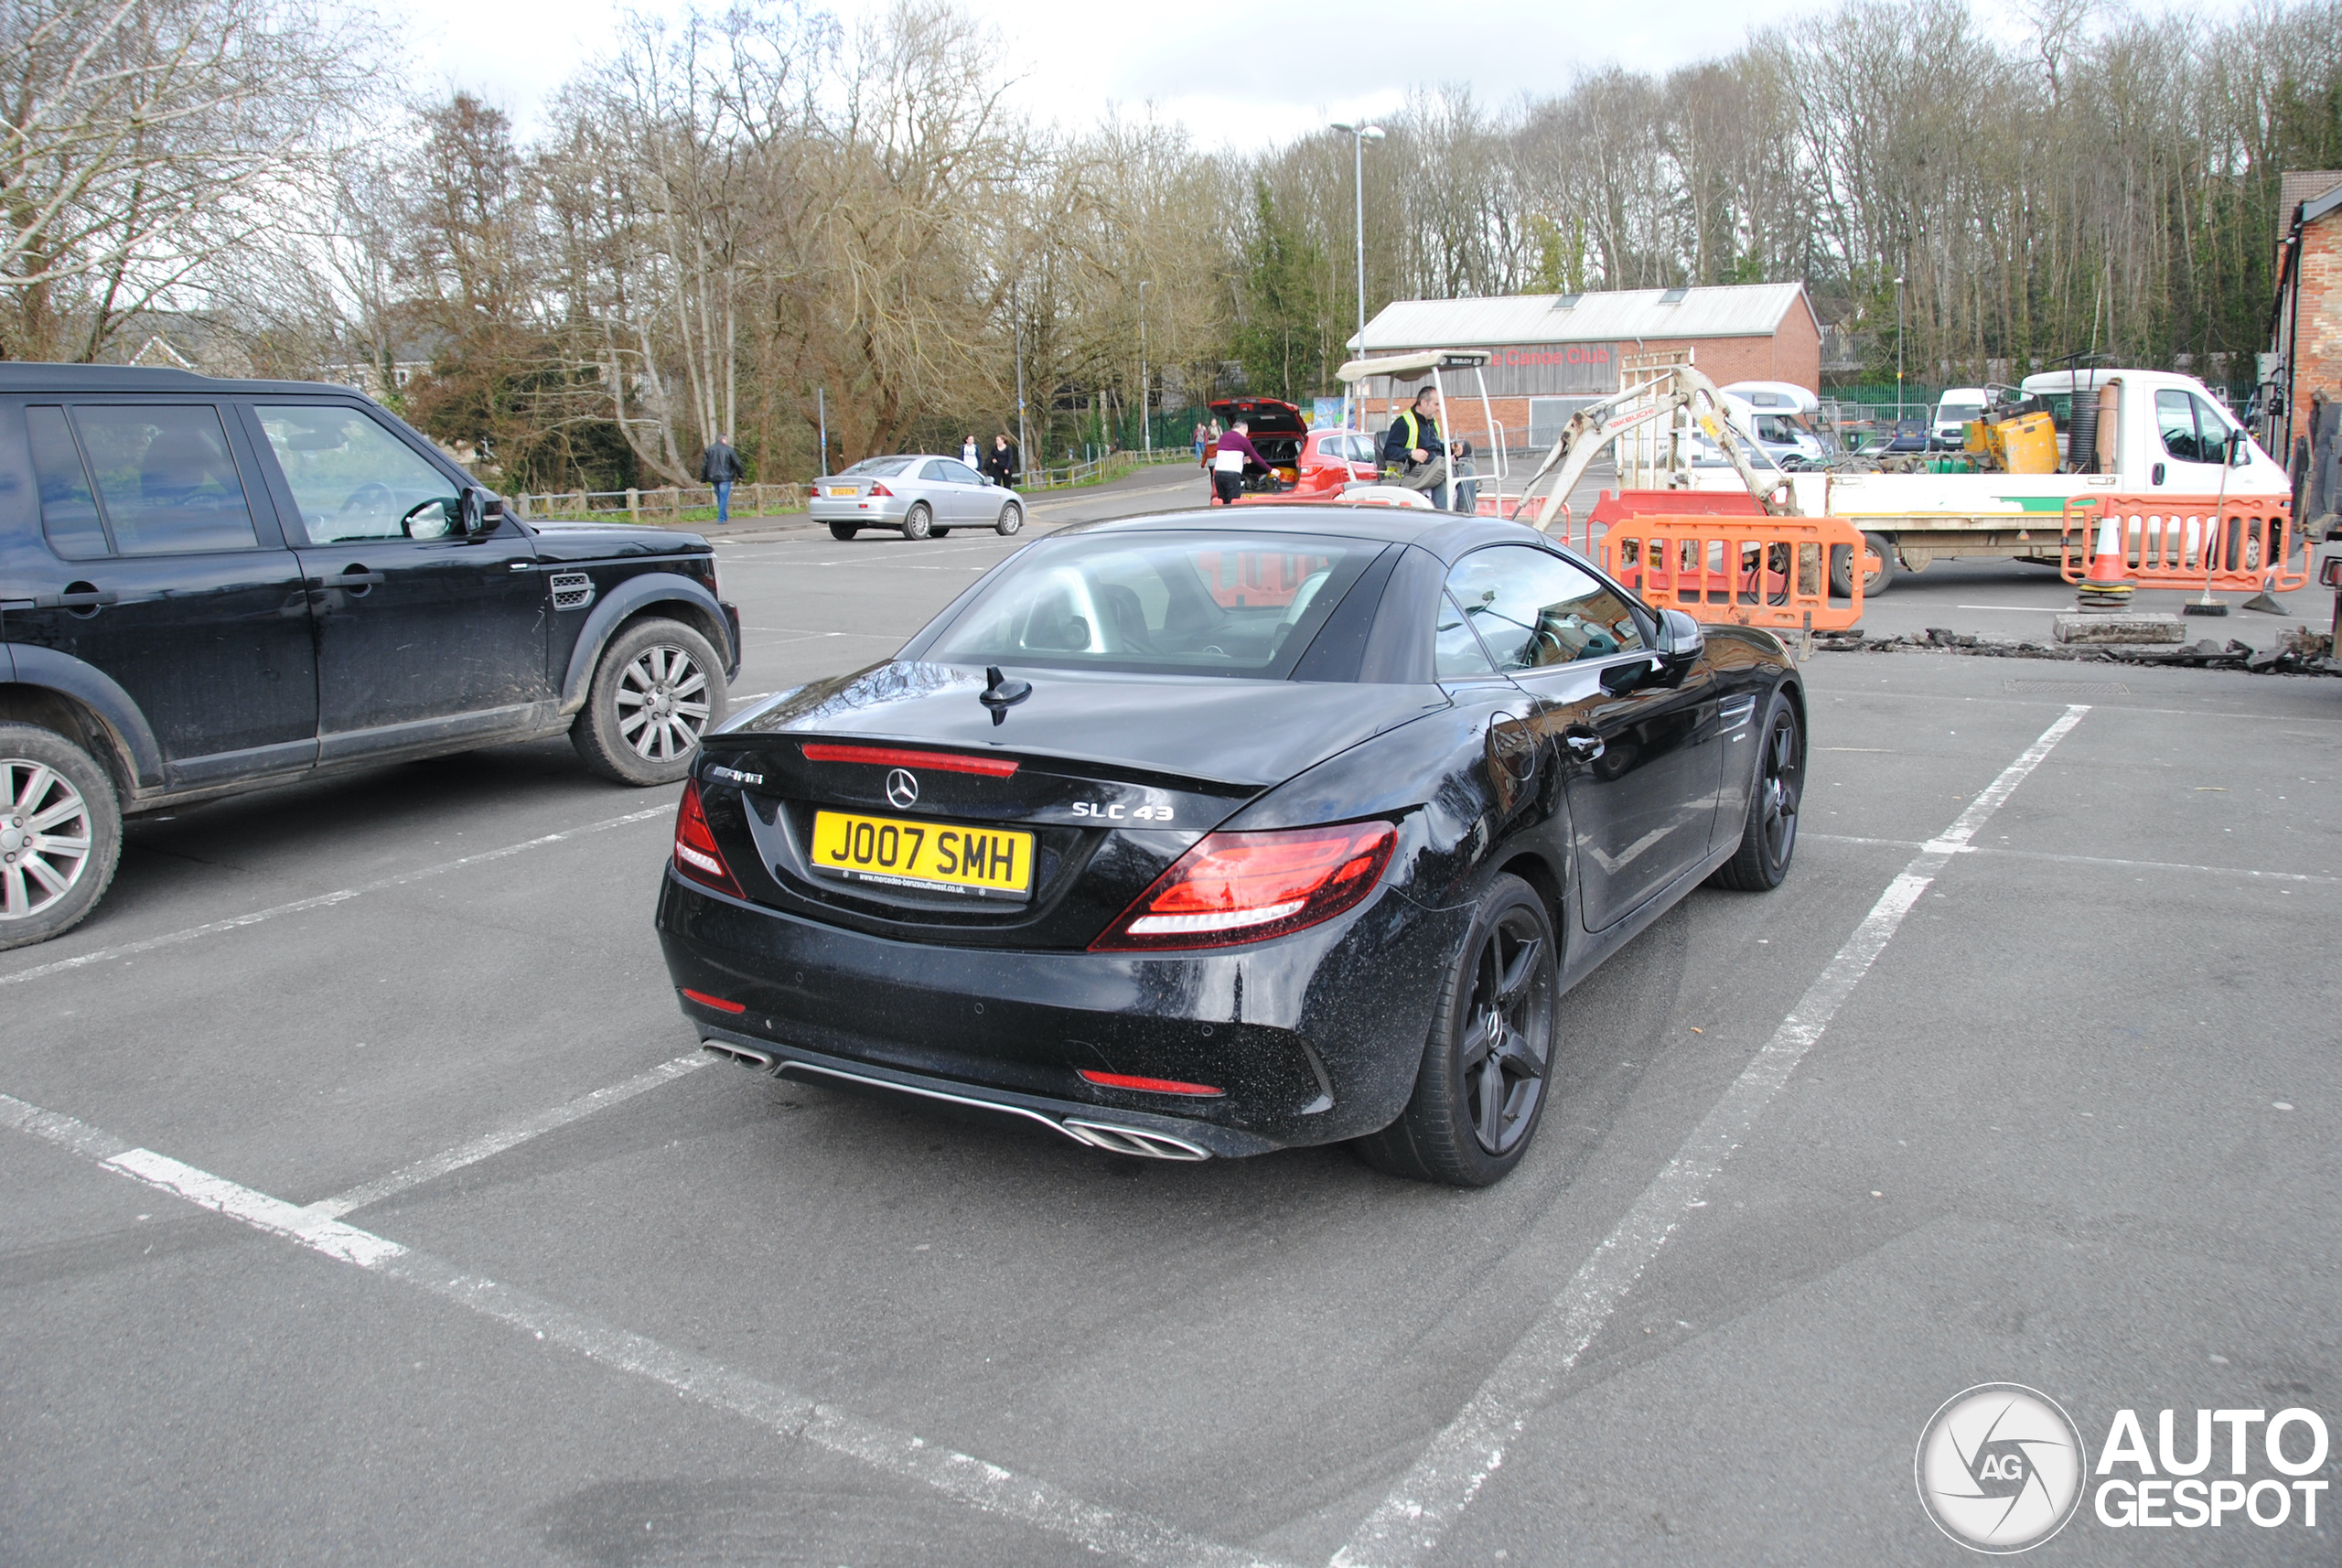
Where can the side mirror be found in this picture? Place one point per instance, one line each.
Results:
(477, 513)
(1680, 636)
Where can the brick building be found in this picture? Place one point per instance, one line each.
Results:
(2304, 425)
(1549, 353)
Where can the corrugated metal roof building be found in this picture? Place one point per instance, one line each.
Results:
(1550, 352)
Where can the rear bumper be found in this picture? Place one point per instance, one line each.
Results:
(884, 512)
(1314, 1037)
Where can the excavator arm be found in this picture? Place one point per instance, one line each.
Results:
(1597, 426)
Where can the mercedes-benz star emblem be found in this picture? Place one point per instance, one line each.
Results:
(902, 787)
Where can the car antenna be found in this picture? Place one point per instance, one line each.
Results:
(1000, 694)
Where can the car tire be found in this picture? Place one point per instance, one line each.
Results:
(1879, 567)
(658, 688)
(1768, 839)
(842, 531)
(1481, 1091)
(1011, 517)
(60, 834)
(920, 521)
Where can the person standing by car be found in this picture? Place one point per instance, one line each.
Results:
(1000, 464)
(719, 466)
(1467, 476)
(1413, 447)
(1234, 454)
(968, 450)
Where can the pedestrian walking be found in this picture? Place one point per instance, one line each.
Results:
(968, 450)
(1001, 463)
(720, 465)
(1199, 441)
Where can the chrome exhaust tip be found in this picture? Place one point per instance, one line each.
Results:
(744, 1055)
(1144, 1141)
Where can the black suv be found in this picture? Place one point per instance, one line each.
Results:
(208, 586)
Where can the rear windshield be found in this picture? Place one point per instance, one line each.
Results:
(1183, 603)
(881, 466)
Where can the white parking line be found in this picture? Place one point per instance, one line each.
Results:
(324, 900)
(1407, 1525)
(983, 1486)
(2088, 860)
(513, 1134)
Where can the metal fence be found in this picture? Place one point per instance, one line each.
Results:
(673, 504)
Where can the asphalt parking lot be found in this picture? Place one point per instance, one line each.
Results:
(369, 1201)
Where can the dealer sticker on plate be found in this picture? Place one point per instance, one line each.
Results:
(939, 857)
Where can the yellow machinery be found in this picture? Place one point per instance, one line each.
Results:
(2016, 443)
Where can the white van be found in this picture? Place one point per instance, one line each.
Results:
(1781, 418)
(1948, 432)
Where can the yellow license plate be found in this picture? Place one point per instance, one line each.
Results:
(939, 857)
(843, 490)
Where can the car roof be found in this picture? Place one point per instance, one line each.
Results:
(1444, 534)
(29, 376)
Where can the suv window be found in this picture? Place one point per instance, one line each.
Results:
(352, 479)
(68, 510)
(165, 477)
(1534, 610)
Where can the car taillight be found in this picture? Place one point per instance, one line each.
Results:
(696, 855)
(878, 488)
(1243, 888)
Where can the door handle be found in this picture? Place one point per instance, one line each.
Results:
(1584, 745)
(89, 599)
(2158, 473)
(360, 578)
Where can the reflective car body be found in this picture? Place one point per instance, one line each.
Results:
(1332, 458)
(883, 492)
(1613, 777)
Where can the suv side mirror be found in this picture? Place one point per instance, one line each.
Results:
(477, 513)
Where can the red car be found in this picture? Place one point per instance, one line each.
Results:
(1306, 461)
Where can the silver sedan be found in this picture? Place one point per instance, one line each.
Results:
(923, 495)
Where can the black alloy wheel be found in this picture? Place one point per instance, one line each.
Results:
(1769, 838)
(920, 521)
(842, 531)
(1481, 1089)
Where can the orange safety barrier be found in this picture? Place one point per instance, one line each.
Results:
(2188, 542)
(1771, 572)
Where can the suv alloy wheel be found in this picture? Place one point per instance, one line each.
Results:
(657, 689)
(60, 834)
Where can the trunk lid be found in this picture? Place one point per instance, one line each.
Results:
(1097, 781)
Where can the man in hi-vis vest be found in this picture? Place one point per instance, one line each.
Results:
(1414, 448)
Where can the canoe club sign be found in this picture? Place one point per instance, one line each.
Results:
(1540, 370)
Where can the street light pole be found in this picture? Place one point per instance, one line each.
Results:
(1146, 392)
(1899, 331)
(1359, 135)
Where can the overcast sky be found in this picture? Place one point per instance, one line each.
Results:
(1281, 70)
(1275, 73)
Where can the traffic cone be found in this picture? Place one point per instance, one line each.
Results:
(2108, 587)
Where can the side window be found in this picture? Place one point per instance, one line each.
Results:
(1458, 651)
(2175, 418)
(1535, 609)
(166, 479)
(937, 470)
(2211, 431)
(959, 473)
(68, 510)
(352, 479)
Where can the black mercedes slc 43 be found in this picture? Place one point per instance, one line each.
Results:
(1197, 834)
